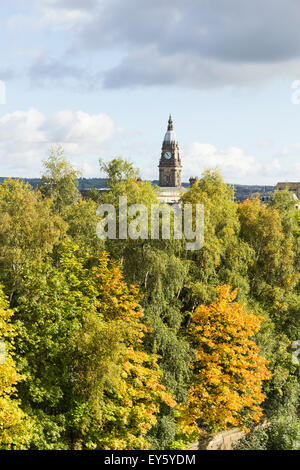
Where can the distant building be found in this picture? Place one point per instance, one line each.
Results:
(297, 202)
(85, 193)
(265, 197)
(170, 168)
(293, 187)
(170, 163)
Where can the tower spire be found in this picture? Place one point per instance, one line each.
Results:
(170, 163)
(170, 123)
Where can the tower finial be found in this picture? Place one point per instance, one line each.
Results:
(170, 125)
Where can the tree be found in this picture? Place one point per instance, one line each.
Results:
(15, 427)
(262, 229)
(89, 380)
(281, 430)
(274, 288)
(227, 380)
(282, 433)
(60, 184)
(224, 257)
(60, 180)
(118, 170)
(156, 266)
(48, 316)
(82, 224)
(120, 417)
(285, 203)
(29, 231)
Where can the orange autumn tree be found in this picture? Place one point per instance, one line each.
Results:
(227, 386)
(131, 406)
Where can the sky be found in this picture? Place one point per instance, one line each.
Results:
(100, 77)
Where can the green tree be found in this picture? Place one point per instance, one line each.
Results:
(118, 170)
(82, 224)
(282, 433)
(29, 231)
(262, 229)
(274, 279)
(156, 266)
(60, 180)
(224, 257)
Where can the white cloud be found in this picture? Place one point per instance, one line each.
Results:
(238, 167)
(232, 162)
(80, 127)
(26, 137)
(22, 126)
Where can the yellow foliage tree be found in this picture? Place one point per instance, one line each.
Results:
(131, 406)
(228, 373)
(118, 391)
(14, 425)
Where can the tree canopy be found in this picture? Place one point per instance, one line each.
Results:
(140, 343)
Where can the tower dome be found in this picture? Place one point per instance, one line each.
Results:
(170, 136)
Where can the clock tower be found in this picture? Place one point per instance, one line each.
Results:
(170, 163)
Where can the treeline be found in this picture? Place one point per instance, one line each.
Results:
(136, 344)
(241, 191)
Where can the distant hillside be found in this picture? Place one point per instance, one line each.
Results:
(34, 182)
(241, 191)
(84, 183)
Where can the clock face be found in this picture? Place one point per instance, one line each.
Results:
(168, 155)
